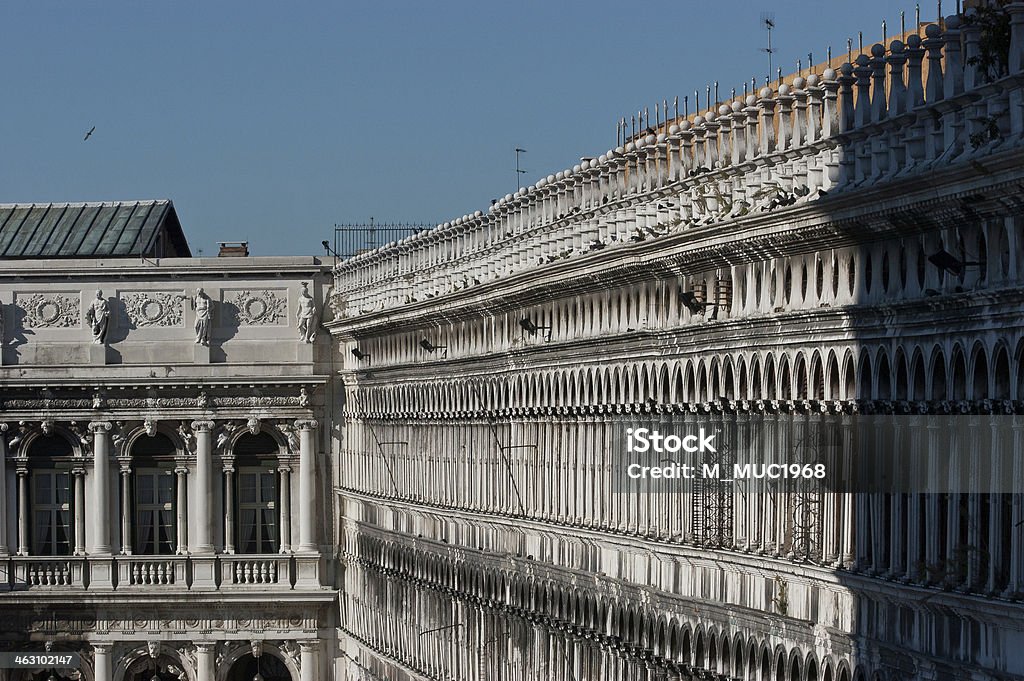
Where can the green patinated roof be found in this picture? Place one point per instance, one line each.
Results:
(91, 230)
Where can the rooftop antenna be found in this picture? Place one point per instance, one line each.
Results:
(519, 172)
(768, 21)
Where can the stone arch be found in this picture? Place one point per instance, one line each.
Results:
(883, 375)
(833, 377)
(938, 383)
(743, 388)
(1001, 377)
(133, 657)
(233, 655)
(801, 386)
(919, 377)
(728, 380)
(865, 387)
(785, 378)
(756, 383)
(978, 387)
(958, 373)
(770, 391)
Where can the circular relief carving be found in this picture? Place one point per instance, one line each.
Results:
(48, 312)
(255, 308)
(141, 624)
(152, 310)
(192, 624)
(245, 624)
(295, 621)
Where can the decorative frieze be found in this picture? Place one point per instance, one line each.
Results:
(50, 310)
(157, 402)
(154, 308)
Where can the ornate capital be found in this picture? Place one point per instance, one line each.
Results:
(206, 647)
(100, 426)
(310, 646)
(306, 424)
(102, 648)
(203, 426)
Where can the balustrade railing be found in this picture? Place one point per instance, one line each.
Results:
(877, 119)
(157, 572)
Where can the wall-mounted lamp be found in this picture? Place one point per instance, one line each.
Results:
(430, 347)
(529, 327)
(948, 262)
(690, 302)
(359, 354)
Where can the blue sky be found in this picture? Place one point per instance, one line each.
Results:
(268, 122)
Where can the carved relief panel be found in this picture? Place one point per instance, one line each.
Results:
(50, 310)
(257, 307)
(154, 308)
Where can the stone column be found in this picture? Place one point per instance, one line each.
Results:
(286, 509)
(202, 490)
(307, 486)
(309, 660)
(101, 662)
(100, 543)
(79, 504)
(23, 509)
(4, 546)
(126, 506)
(229, 505)
(182, 515)
(205, 661)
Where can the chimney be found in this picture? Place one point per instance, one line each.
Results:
(233, 249)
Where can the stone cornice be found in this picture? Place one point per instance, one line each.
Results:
(958, 193)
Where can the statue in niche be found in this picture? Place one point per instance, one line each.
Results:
(307, 316)
(201, 303)
(97, 315)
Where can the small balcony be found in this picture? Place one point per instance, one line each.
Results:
(128, 573)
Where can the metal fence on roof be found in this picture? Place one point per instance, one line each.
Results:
(355, 238)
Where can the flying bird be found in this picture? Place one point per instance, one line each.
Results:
(89, 134)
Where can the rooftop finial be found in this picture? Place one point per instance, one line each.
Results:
(883, 33)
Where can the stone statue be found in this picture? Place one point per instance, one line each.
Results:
(306, 316)
(201, 303)
(97, 315)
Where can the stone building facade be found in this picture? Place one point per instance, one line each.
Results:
(849, 241)
(166, 499)
(197, 485)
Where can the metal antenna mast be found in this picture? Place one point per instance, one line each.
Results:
(519, 172)
(769, 23)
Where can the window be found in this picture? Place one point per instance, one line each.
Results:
(51, 513)
(154, 512)
(257, 510)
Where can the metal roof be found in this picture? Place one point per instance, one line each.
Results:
(91, 230)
